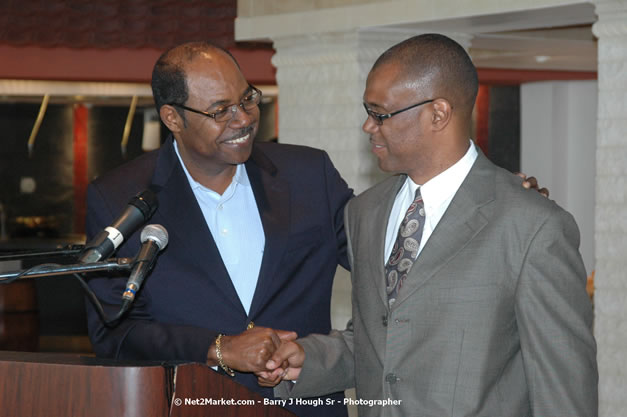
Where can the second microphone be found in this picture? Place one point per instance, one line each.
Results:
(154, 238)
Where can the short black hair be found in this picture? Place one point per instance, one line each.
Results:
(445, 62)
(169, 82)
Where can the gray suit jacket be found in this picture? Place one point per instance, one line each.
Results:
(493, 320)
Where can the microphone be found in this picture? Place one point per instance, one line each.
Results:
(140, 209)
(154, 238)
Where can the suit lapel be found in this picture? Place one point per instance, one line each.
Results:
(272, 196)
(376, 228)
(187, 228)
(465, 217)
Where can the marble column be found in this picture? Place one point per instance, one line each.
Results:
(611, 207)
(321, 80)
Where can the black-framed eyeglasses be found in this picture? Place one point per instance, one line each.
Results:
(226, 113)
(379, 118)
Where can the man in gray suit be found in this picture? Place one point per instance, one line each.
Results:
(477, 306)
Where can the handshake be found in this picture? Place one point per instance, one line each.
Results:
(272, 355)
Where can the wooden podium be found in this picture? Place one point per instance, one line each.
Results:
(63, 385)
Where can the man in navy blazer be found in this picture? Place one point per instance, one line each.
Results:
(190, 300)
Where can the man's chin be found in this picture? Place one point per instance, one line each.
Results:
(385, 166)
(242, 155)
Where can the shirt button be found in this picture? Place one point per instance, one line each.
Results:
(391, 379)
(224, 232)
(421, 212)
(220, 207)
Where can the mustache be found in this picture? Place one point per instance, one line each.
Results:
(242, 132)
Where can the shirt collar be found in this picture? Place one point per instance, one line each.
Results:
(443, 186)
(240, 176)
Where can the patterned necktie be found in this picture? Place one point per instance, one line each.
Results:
(405, 250)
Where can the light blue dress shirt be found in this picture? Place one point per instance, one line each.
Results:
(234, 221)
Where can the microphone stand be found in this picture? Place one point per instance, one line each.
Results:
(23, 255)
(112, 265)
(43, 270)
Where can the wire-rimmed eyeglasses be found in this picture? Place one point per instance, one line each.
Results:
(226, 113)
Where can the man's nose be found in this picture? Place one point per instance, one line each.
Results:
(242, 117)
(369, 125)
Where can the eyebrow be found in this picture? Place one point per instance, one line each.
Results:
(226, 102)
(371, 105)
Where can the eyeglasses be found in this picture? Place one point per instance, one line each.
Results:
(226, 113)
(379, 118)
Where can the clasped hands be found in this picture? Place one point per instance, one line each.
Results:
(272, 355)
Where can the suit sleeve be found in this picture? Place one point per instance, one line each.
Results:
(329, 360)
(338, 194)
(554, 318)
(138, 336)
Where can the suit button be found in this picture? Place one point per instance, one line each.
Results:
(385, 320)
(391, 379)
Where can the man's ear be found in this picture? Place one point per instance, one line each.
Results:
(171, 118)
(442, 113)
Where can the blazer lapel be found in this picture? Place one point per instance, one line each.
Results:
(272, 196)
(464, 218)
(187, 228)
(376, 227)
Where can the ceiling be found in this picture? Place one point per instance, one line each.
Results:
(567, 49)
(552, 38)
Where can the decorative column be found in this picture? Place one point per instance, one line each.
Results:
(321, 79)
(611, 207)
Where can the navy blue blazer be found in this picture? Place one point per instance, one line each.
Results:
(189, 299)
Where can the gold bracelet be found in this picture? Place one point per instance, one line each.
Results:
(228, 370)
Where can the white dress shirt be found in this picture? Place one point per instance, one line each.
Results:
(234, 221)
(436, 193)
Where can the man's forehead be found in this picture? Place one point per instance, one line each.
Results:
(214, 67)
(384, 77)
(211, 59)
(215, 84)
(396, 74)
